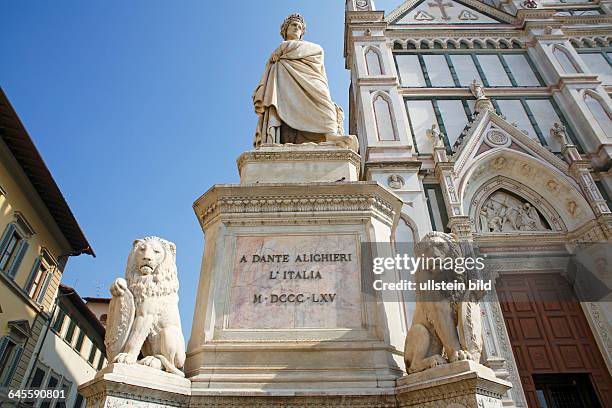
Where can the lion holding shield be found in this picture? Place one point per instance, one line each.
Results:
(143, 314)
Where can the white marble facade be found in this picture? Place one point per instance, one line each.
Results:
(502, 174)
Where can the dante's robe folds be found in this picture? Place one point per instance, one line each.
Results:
(294, 90)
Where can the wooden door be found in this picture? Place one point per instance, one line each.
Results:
(549, 333)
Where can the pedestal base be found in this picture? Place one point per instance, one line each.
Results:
(301, 163)
(121, 385)
(463, 384)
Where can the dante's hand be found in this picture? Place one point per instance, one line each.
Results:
(275, 56)
(259, 108)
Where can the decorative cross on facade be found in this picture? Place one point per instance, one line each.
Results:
(441, 4)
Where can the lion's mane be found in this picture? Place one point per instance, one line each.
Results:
(163, 281)
(451, 248)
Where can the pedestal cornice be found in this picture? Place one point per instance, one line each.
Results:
(295, 200)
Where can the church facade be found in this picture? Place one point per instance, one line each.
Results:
(492, 120)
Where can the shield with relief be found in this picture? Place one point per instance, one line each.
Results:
(470, 328)
(120, 318)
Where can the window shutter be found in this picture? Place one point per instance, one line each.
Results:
(43, 288)
(3, 343)
(5, 237)
(33, 274)
(23, 247)
(6, 381)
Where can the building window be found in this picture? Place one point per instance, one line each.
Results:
(421, 116)
(533, 115)
(37, 378)
(10, 353)
(66, 385)
(600, 63)
(465, 69)
(58, 324)
(92, 354)
(70, 332)
(78, 346)
(40, 277)
(100, 362)
(409, 68)
(52, 383)
(438, 71)
(37, 381)
(458, 70)
(437, 208)
(13, 247)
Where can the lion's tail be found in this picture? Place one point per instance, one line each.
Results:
(169, 366)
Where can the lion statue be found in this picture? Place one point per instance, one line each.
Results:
(143, 315)
(447, 325)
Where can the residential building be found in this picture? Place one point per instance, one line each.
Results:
(38, 233)
(69, 353)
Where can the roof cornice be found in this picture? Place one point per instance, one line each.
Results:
(21, 146)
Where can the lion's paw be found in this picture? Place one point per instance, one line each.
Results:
(436, 360)
(151, 361)
(459, 355)
(125, 358)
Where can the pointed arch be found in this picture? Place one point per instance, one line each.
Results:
(491, 43)
(599, 109)
(438, 44)
(383, 115)
(407, 230)
(543, 181)
(565, 59)
(507, 211)
(465, 44)
(477, 43)
(588, 43)
(373, 61)
(601, 41)
(397, 45)
(412, 45)
(503, 43)
(576, 43)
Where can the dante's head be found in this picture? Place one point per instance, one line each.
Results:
(293, 28)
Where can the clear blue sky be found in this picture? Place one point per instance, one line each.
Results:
(138, 107)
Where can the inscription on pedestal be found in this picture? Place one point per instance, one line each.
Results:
(296, 281)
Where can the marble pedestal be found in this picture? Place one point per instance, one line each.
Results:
(282, 307)
(138, 386)
(300, 163)
(463, 384)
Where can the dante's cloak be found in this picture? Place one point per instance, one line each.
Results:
(294, 90)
